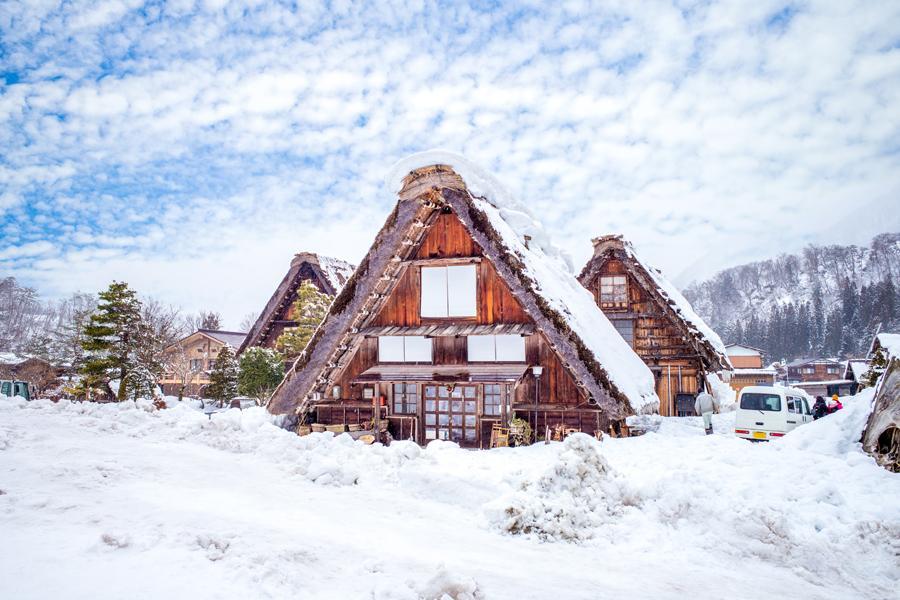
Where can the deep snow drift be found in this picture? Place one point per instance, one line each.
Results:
(113, 501)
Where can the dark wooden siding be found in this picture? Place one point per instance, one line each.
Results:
(495, 304)
(657, 340)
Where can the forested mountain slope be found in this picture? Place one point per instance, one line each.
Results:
(825, 301)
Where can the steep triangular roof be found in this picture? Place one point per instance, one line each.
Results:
(328, 274)
(701, 337)
(606, 369)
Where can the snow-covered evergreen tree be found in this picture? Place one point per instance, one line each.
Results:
(112, 338)
(223, 378)
(261, 370)
(877, 367)
(140, 382)
(308, 311)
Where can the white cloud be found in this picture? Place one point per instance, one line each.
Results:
(192, 149)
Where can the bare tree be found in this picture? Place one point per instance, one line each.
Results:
(248, 322)
(165, 327)
(178, 363)
(20, 314)
(205, 319)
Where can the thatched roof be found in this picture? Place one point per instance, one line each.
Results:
(328, 274)
(701, 337)
(606, 369)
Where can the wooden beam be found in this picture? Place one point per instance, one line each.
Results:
(461, 260)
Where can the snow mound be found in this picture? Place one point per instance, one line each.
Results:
(837, 434)
(723, 393)
(568, 502)
(443, 585)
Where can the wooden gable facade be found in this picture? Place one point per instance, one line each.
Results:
(395, 353)
(327, 274)
(675, 352)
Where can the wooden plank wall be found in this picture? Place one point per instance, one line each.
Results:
(657, 340)
(447, 238)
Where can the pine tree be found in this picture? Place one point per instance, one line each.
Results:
(223, 378)
(308, 311)
(804, 333)
(833, 333)
(111, 338)
(818, 320)
(877, 367)
(260, 373)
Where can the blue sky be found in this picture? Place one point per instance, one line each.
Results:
(191, 148)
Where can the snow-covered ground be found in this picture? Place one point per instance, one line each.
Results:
(118, 501)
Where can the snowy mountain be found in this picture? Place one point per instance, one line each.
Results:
(784, 305)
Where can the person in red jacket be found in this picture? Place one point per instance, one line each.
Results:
(836, 404)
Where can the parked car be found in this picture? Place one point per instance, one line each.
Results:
(769, 412)
(10, 388)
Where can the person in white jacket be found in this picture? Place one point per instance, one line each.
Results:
(705, 405)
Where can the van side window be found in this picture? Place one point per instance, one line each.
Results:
(794, 405)
(806, 410)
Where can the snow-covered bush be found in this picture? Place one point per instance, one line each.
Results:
(568, 502)
(140, 383)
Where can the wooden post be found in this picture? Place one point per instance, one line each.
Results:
(376, 418)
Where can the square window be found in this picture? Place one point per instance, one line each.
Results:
(496, 348)
(449, 291)
(398, 348)
(625, 327)
(614, 290)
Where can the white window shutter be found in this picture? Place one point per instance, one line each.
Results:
(418, 349)
(510, 348)
(461, 287)
(481, 348)
(390, 348)
(434, 292)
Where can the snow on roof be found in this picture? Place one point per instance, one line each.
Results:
(11, 358)
(805, 384)
(741, 350)
(551, 272)
(336, 271)
(890, 342)
(232, 338)
(858, 368)
(679, 303)
(812, 361)
(763, 371)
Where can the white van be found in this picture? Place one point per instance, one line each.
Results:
(767, 412)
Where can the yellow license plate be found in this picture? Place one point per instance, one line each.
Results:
(759, 435)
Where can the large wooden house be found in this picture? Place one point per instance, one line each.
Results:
(187, 362)
(656, 321)
(813, 370)
(328, 274)
(454, 322)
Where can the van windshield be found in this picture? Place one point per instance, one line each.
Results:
(770, 402)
